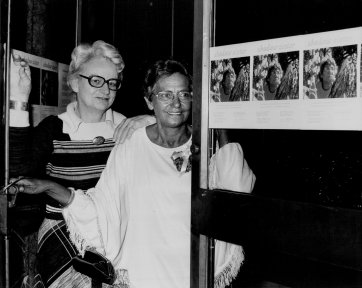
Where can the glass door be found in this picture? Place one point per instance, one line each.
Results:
(304, 213)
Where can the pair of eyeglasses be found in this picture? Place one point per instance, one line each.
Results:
(98, 81)
(168, 96)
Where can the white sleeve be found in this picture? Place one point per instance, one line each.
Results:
(82, 227)
(229, 170)
(18, 118)
(99, 218)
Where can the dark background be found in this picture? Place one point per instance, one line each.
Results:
(301, 225)
(322, 167)
(319, 167)
(142, 30)
(314, 166)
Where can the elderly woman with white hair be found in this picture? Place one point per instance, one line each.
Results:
(72, 148)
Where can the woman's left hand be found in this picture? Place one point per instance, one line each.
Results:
(37, 186)
(222, 137)
(126, 128)
(30, 185)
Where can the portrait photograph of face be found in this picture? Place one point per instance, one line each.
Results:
(360, 75)
(275, 76)
(49, 88)
(230, 80)
(35, 94)
(330, 72)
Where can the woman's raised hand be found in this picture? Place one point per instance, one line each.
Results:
(20, 79)
(127, 126)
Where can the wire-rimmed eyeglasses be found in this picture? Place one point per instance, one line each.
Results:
(169, 96)
(98, 81)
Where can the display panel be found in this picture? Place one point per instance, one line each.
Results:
(302, 82)
(50, 93)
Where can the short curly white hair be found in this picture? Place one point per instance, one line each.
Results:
(85, 52)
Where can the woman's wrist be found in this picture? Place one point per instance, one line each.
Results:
(222, 137)
(19, 115)
(60, 193)
(18, 105)
(71, 198)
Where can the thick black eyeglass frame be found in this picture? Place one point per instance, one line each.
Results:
(104, 81)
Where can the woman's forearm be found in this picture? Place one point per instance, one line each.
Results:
(60, 193)
(222, 137)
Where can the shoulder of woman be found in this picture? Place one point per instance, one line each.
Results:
(117, 117)
(51, 121)
(51, 128)
(48, 129)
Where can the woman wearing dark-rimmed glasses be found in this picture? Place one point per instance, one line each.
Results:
(71, 148)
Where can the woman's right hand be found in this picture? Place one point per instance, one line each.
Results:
(20, 79)
(126, 128)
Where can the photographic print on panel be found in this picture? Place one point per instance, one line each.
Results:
(44, 90)
(330, 72)
(276, 76)
(360, 74)
(49, 88)
(230, 80)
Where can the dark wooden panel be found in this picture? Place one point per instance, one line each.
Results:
(303, 230)
(320, 167)
(252, 20)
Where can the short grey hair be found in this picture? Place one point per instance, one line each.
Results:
(85, 52)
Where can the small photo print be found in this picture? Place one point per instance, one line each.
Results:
(44, 87)
(34, 97)
(230, 80)
(276, 76)
(330, 72)
(49, 88)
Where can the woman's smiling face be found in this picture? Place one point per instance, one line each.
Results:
(175, 113)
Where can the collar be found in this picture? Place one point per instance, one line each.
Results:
(73, 122)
